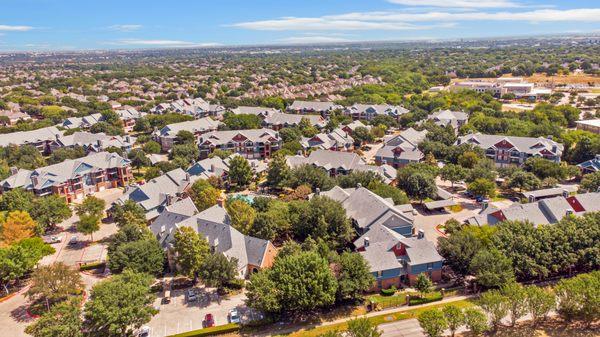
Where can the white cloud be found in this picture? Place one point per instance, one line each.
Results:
(15, 28)
(161, 43)
(582, 14)
(313, 39)
(125, 28)
(458, 3)
(400, 20)
(327, 23)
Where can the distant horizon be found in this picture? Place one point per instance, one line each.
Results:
(70, 25)
(316, 44)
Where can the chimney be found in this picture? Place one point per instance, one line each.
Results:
(484, 205)
(34, 180)
(128, 139)
(420, 234)
(187, 177)
(565, 193)
(569, 212)
(317, 191)
(366, 242)
(14, 170)
(358, 185)
(212, 168)
(531, 198)
(168, 199)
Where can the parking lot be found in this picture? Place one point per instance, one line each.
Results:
(180, 315)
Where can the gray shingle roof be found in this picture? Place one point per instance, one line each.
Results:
(254, 135)
(527, 145)
(328, 159)
(198, 125)
(30, 137)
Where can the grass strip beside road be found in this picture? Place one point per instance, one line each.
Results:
(377, 320)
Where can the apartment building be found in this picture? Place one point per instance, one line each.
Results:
(74, 178)
(167, 135)
(43, 139)
(511, 150)
(370, 111)
(402, 149)
(251, 144)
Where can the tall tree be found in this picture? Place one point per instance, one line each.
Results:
(242, 215)
(495, 305)
(129, 213)
(218, 270)
(191, 249)
(54, 283)
(354, 276)
(433, 322)
(63, 320)
(539, 302)
(455, 318)
(240, 172)
(144, 256)
(423, 284)
(517, 300)
(119, 304)
(419, 186)
(362, 327)
(203, 194)
(91, 205)
(492, 268)
(88, 224)
(278, 174)
(475, 321)
(453, 173)
(50, 210)
(579, 298)
(483, 187)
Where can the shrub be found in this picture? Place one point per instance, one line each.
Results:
(92, 265)
(425, 299)
(389, 292)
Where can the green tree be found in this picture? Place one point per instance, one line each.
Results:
(88, 224)
(312, 176)
(590, 182)
(16, 200)
(63, 320)
(144, 256)
(54, 283)
(579, 298)
(433, 322)
(129, 213)
(419, 186)
(517, 300)
(453, 173)
(138, 159)
(119, 304)
(185, 137)
(240, 172)
(483, 187)
(91, 206)
(492, 268)
(242, 215)
(151, 147)
(18, 259)
(278, 174)
(475, 321)
(539, 302)
(423, 284)
(203, 194)
(191, 249)
(362, 135)
(455, 318)
(387, 191)
(296, 283)
(495, 305)
(362, 327)
(151, 173)
(50, 210)
(218, 270)
(468, 159)
(264, 226)
(364, 178)
(524, 181)
(354, 276)
(241, 121)
(459, 248)
(184, 153)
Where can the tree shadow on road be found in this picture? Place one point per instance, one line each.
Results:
(19, 314)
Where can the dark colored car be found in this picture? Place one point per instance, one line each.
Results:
(209, 321)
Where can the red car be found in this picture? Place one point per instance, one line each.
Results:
(209, 321)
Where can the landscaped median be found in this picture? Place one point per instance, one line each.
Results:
(377, 320)
(212, 331)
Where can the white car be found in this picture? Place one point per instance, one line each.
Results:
(144, 331)
(234, 317)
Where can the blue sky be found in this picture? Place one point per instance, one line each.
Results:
(128, 24)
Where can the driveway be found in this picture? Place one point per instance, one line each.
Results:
(181, 316)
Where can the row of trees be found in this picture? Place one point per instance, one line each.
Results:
(574, 300)
(514, 249)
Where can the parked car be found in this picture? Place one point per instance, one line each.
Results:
(73, 240)
(234, 317)
(53, 239)
(144, 331)
(209, 321)
(191, 295)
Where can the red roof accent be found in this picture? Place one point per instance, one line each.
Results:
(577, 207)
(504, 144)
